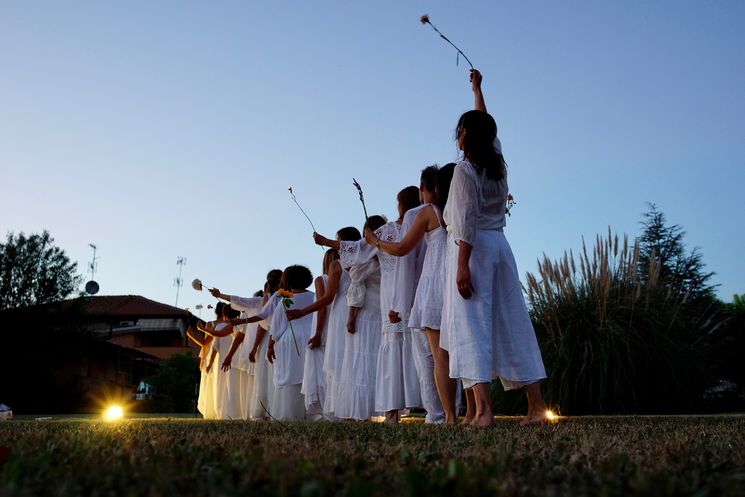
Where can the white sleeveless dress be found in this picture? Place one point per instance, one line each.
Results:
(427, 309)
(314, 379)
(336, 331)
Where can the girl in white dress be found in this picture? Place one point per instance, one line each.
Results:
(314, 379)
(263, 385)
(486, 327)
(397, 382)
(206, 396)
(426, 312)
(335, 296)
(356, 383)
(238, 356)
(226, 393)
(286, 348)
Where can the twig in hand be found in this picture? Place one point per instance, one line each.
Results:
(362, 197)
(425, 20)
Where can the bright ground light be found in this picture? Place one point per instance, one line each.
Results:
(551, 416)
(113, 413)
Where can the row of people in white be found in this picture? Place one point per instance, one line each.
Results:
(452, 272)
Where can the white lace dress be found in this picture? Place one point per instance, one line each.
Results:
(356, 383)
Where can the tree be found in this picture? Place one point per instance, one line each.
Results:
(681, 272)
(34, 271)
(175, 383)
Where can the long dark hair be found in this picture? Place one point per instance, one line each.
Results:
(478, 144)
(409, 198)
(444, 177)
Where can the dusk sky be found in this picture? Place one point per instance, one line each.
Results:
(165, 129)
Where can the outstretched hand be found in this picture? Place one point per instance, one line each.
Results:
(215, 292)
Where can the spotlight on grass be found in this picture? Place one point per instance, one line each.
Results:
(551, 416)
(113, 413)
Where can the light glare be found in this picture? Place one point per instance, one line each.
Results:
(113, 413)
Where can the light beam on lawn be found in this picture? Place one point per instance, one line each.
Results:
(551, 416)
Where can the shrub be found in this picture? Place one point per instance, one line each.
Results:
(615, 340)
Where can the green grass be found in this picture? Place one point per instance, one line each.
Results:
(613, 456)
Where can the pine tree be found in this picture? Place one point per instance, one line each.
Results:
(682, 272)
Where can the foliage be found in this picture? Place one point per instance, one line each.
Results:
(681, 273)
(175, 383)
(613, 338)
(34, 271)
(595, 456)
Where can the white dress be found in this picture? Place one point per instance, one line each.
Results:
(246, 369)
(227, 393)
(206, 399)
(290, 347)
(422, 378)
(263, 389)
(427, 309)
(356, 384)
(314, 379)
(394, 357)
(489, 335)
(336, 332)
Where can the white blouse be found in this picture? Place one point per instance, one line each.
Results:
(475, 202)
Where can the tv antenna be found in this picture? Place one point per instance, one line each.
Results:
(178, 282)
(92, 288)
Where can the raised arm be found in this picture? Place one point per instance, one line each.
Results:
(327, 297)
(410, 241)
(478, 96)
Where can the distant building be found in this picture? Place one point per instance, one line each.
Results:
(138, 323)
(69, 356)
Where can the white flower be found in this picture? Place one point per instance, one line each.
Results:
(197, 285)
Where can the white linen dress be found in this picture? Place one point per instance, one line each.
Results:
(336, 317)
(227, 393)
(489, 335)
(356, 384)
(290, 348)
(314, 379)
(249, 307)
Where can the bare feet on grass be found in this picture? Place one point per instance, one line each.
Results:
(486, 419)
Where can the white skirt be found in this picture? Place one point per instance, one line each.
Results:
(412, 392)
(263, 388)
(489, 335)
(287, 403)
(314, 379)
(246, 382)
(356, 384)
(206, 400)
(389, 383)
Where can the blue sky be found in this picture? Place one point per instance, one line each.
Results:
(165, 129)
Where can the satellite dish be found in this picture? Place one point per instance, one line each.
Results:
(91, 287)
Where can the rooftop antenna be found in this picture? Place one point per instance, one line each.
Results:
(91, 288)
(178, 282)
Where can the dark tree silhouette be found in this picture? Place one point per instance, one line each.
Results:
(34, 271)
(682, 272)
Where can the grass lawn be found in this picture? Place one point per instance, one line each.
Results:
(613, 456)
